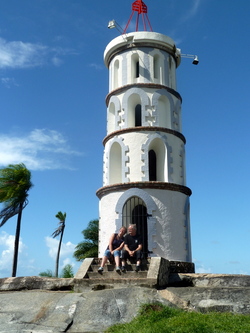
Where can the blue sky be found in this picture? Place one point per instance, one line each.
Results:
(53, 85)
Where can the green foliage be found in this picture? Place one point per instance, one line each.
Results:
(156, 318)
(15, 182)
(67, 271)
(89, 247)
(62, 218)
(47, 273)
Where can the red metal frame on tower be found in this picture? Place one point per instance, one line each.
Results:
(140, 7)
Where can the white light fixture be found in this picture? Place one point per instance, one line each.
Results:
(196, 60)
(113, 24)
(191, 56)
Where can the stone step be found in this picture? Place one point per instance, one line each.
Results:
(109, 271)
(155, 271)
(115, 275)
(113, 283)
(97, 261)
(111, 268)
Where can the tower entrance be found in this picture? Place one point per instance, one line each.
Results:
(135, 212)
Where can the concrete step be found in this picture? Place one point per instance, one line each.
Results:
(109, 271)
(154, 272)
(115, 275)
(111, 268)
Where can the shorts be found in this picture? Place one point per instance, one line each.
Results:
(108, 254)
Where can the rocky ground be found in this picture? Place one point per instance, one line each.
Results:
(39, 305)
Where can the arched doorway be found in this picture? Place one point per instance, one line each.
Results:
(135, 212)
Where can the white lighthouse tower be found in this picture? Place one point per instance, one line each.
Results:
(144, 168)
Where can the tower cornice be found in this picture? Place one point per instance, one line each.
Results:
(143, 185)
(143, 86)
(144, 129)
(140, 39)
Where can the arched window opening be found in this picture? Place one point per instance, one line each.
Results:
(111, 118)
(152, 165)
(135, 212)
(137, 69)
(115, 164)
(134, 111)
(138, 115)
(156, 66)
(164, 112)
(116, 73)
(157, 161)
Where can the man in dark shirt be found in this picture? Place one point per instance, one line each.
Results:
(132, 247)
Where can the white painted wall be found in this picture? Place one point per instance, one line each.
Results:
(168, 228)
(126, 153)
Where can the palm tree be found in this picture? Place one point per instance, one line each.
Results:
(47, 273)
(67, 271)
(15, 182)
(59, 231)
(89, 247)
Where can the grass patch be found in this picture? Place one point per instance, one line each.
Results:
(157, 318)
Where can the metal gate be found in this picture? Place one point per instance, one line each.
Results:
(135, 212)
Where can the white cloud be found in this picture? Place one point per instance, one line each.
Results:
(195, 4)
(8, 82)
(66, 253)
(17, 54)
(96, 66)
(7, 250)
(200, 267)
(41, 149)
(67, 249)
(203, 269)
(56, 61)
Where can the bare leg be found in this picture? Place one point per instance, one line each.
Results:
(117, 261)
(104, 260)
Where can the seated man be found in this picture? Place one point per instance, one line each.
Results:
(132, 247)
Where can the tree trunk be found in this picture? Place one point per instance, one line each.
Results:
(58, 253)
(16, 244)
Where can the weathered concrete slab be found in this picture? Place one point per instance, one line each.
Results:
(82, 272)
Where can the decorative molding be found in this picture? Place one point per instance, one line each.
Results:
(143, 86)
(143, 185)
(144, 129)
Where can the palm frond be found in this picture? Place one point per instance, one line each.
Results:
(61, 217)
(15, 182)
(85, 249)
(59, 230)
(11, 210)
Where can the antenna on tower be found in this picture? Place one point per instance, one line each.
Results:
(140, 7)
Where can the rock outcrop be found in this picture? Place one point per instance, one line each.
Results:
(39, 305)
